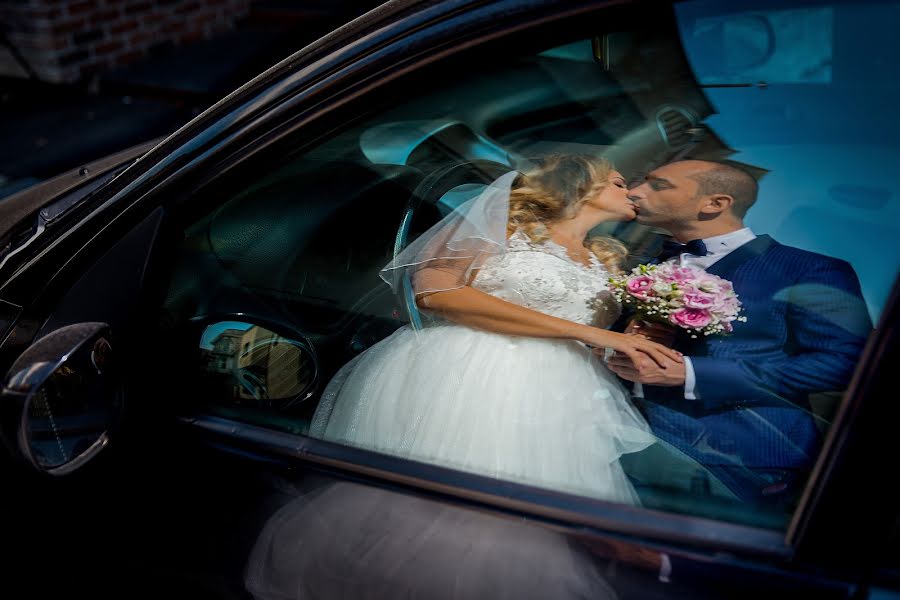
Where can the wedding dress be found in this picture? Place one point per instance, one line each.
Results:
(538, 411)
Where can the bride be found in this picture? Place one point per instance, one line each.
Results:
(505, 384)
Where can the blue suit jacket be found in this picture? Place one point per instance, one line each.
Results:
(806, 327)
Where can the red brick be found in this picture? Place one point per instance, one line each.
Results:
(108, 47)
(79, 8)
(41, 12)
(141, 38)
(175, 25)
(124, 26)
(105, 16)
(51, 3)
(204, 16)
(187, 7)
(154, 18)
(69, 26)
(135, 8)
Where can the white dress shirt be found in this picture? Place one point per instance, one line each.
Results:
(717, 247)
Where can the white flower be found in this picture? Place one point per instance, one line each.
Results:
(662, 288)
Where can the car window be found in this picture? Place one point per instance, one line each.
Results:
(691, 110)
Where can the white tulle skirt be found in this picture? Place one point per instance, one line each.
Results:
(542, 412)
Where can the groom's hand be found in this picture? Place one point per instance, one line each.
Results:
(655, 332)
(649, 372)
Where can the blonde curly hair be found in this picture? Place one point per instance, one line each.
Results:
(554, 191)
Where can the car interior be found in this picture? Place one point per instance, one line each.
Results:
(304, 242)
(298, 244)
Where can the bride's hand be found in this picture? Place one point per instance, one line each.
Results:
(638, 348)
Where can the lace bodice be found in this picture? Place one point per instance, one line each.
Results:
(543, 277)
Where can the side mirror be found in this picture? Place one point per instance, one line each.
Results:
(247, 364)
(66, 398)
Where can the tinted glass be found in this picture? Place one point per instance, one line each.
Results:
(491, 376)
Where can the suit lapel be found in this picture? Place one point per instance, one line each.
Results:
(756, 247)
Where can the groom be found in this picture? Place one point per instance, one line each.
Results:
(739, 404)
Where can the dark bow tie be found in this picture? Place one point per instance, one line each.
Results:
(672, 248)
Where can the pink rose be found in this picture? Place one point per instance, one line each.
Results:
(683, 274)
(672, 273)
(640, 287)
(699, 300)
(690, 318)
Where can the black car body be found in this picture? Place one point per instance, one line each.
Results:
(274, 209)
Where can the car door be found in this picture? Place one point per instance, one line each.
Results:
(238, 271)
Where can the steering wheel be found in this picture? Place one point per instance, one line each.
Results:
(429, 193)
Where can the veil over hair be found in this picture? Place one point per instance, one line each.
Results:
(445, 257)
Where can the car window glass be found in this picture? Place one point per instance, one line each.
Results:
(827, 135)
(786, 99)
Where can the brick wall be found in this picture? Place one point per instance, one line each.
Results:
(65, 41)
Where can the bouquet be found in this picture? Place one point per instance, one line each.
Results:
(686, 297)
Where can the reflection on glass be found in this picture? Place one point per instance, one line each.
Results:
(320, 545)
(775, 46)
(830, 145)
(252, 366)
(821, 140)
